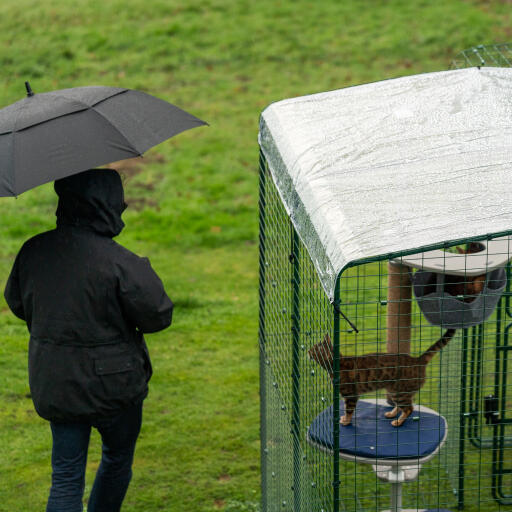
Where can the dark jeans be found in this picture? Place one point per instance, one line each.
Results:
(69, 457)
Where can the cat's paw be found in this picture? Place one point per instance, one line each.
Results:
(345, 420)
(397, 423)
(391, 414)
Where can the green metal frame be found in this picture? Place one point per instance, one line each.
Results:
(295, 420)
(500, 439)
(335, 399)
(293, 472)
(261, 330)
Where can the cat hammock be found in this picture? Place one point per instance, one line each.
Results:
(396, 454)
(441, 308)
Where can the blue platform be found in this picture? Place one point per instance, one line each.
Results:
(371, 434)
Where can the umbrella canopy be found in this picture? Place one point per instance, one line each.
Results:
(388, 167)
(55, 134)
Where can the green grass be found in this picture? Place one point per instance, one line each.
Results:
(194, 203)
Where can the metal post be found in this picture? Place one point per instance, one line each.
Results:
(500, 390)
(296, 371)
(261, 333)
(475, 388)
(503, 348)
(462, 422)
(495, 428)
(336, 401)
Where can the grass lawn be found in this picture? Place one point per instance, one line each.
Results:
(193, 202)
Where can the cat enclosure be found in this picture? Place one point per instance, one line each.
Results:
(386, 219)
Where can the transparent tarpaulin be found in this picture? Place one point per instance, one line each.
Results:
(393, 166)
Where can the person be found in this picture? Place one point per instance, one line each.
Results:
(87, 301)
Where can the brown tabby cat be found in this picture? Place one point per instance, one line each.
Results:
(402, 375)
(467, 286)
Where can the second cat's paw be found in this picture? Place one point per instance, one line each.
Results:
(345, 421)
(391, 414)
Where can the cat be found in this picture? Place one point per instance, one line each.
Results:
(402, 375)
(468, 287)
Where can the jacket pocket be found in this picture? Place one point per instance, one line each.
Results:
(120, 375)
(119, 364)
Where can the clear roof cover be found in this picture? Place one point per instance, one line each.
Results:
(393, 166)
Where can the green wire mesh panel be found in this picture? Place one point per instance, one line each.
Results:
(294, 314)
(466, 382)
(484, 55)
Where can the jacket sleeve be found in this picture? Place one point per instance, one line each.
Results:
(143, 297)
(12, 292)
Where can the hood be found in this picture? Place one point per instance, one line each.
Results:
(92, 199)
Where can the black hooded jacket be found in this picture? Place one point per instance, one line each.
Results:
(86, 301)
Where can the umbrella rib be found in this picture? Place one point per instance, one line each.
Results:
(113, 96)
(139, 153)
(61, 96)
(14, 130)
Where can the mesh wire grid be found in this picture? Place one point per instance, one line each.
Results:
(295, 475)
(466, 382)
(484, 55)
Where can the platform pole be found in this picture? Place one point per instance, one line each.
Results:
(399, 309)
(396, 497)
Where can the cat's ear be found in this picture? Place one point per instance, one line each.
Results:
(327, 339)
(478, 284)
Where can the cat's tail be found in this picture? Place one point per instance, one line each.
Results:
(437, 346)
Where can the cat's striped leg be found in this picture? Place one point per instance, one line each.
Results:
(406, 412)
(350, 407)
(392, 400)
(392, 413)
(405, 405)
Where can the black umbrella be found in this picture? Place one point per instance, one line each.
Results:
(51, 135)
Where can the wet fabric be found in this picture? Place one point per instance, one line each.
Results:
(51, 135)
(92, 200)
(87, 302)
